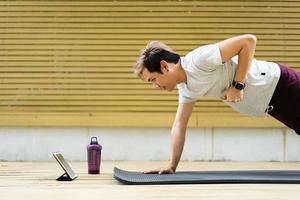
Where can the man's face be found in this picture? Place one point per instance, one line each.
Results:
(165, 80)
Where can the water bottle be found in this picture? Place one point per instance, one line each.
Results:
(94, 156)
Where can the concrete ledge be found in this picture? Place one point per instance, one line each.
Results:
(208, 144)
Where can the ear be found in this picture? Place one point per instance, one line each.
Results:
(164, 67)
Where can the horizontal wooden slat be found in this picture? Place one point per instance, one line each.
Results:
(280, 55)
(265, 40)
(133, 36)
(125, 18)
(64, 67)
(108, 25)
(206, 11)
(135, 3)
(112, 108)
(136, 120)
(61, 91)
(121, 20)
(261, 51)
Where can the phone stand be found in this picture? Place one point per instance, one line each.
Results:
(64, 177)
(69, 174)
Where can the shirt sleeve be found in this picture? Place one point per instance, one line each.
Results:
(207, 57)
(184, 99)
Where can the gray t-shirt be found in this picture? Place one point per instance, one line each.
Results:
(208, 76)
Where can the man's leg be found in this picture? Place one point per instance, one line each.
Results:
(286, 98)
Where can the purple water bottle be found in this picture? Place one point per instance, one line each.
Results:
(94, 156)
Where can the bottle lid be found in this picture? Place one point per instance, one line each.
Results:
(94, 141)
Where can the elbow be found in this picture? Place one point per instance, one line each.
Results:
(251, 39)
(248, 42)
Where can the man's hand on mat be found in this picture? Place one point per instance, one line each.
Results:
(166, 170)
(233, 95)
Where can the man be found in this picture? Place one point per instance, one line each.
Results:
(226, 70)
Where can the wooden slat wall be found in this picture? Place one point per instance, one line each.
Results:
(69, 63)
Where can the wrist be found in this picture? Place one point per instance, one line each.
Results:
(238, 85)
(172, 166)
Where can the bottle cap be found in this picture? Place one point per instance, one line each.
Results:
(94, 141)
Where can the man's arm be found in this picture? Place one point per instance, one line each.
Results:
(178, 132)
(183, 114)
(244, 47)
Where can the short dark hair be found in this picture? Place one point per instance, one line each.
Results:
(151, 56)
(152, 61)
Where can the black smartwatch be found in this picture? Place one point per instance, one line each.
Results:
(238, 85)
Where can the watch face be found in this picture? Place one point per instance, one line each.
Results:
(239, 86)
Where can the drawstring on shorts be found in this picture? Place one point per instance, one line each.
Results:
(269, 109)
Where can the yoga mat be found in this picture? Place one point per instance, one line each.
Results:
(208, 177)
